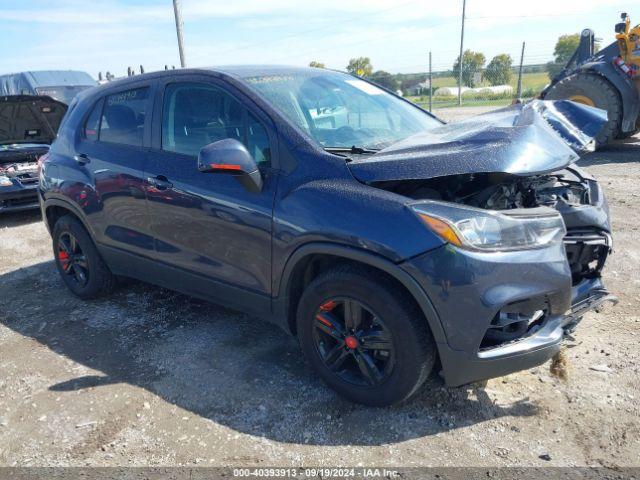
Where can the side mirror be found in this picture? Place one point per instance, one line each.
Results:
(231, 157)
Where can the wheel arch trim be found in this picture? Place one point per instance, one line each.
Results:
(367, 258)
(76, 211)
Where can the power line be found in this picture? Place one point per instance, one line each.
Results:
(319, 29)
(341, 46)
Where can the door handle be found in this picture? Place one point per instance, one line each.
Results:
(82, 158)
(160, 182)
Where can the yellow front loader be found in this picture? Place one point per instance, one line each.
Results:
(607, 79)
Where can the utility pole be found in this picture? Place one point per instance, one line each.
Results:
(520, 73)
(178, 14)
(430, 84)
(464, 8)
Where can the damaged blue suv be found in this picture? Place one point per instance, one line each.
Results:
(387, 241)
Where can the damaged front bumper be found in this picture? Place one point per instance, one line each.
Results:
(19, 197)
(502, 312)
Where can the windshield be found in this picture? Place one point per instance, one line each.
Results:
(341, 111)
(63, 94)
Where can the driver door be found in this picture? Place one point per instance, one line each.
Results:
(208, 224)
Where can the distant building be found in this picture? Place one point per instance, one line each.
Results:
(421, 88)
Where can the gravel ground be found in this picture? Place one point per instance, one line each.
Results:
(150, 377)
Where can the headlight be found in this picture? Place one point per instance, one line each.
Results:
(5, 181)
(489, 230)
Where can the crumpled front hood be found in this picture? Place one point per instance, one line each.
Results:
(524, 139)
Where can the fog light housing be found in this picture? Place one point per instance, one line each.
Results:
(508, 326)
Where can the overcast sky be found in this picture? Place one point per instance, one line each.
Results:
(396, 34)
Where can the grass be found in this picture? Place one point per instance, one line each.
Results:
(532, 83)
(535, 81)
(453, 102)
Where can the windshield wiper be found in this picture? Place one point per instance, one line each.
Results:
(354, 150)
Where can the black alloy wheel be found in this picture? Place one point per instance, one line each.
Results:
(73, 261)
(77, 259)
(353, 342)
(364, 335)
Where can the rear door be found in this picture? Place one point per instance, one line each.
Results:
(209, 224)
(116, 135)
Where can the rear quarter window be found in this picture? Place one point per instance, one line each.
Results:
(92, 124)
(123, 117)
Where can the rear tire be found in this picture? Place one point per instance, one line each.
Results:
(80, 265)
(389, 314)
(600, 92)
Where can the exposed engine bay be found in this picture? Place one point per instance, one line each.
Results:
(570, 191)
(22, 170)
(495, 191)
(21, 164)
(19, 176)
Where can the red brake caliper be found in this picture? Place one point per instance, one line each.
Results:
(326, 307)
(64, 259)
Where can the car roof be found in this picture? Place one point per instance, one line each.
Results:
(236, 71)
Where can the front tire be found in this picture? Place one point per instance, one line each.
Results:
(82, 269)
(596, 91)
(366, 338)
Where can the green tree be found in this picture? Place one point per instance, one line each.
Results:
(565, 46)
(498, 72)
(316, 64)
(360, 66)
(385, 79)
(472, 63)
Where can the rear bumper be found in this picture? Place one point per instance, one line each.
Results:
(470, 291)
(16, 199)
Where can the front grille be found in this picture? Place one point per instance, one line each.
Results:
(19, 202)
(28, 179)
(587, 251)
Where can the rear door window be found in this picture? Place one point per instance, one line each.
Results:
(123, 117)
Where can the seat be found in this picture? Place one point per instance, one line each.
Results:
(122, 126)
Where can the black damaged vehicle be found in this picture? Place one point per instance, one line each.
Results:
(28, 125)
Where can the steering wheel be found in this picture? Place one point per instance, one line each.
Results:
(344, 133)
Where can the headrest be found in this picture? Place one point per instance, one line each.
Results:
(121, 117)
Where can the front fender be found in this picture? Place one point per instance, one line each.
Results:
(366, 258)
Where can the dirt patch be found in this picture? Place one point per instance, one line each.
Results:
(151, 377)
